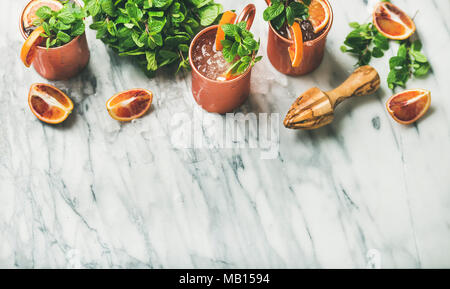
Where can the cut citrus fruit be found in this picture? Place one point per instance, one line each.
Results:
(393, 22)
(227, 76)
(296, 48)
(130, 104)
(29, 15)
(409, 106)
(28, 51)
(319, 15)
(229, 17)
(49, 104)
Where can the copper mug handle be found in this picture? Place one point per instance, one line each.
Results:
(248, 15)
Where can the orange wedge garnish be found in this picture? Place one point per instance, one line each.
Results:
(409, 106)
(49, 104)
(227, 76)
(296, 48)
(28, 51)
(393, 22)
(227, 18)
(130, 104)
(29, 15)
(319, 15)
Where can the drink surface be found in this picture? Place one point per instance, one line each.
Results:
(208, 61)
(307, 31)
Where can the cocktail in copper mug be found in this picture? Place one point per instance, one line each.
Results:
(220, 96)
(60, 63)
(313, 50)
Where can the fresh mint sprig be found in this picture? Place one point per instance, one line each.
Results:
(408, 62)
(157, 33)
(61, 26)
(239, 48)
(365, 42)
(282, 12)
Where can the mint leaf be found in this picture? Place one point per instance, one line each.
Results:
(132, 10)
(209, 13)
(93, 7)
(44, 12)
(78, 29)
(137, 39)
(230, 29)
(418, 56)
(155, 26)
(108, 7)
(377, 52)
(62, 36)
(61, 26)
(66, 17)
(290, 18)
(422, 70)
(161, 3)
(200, 3)
(273, 11)
(151, 61)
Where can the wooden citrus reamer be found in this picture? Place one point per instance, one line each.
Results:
(315, 108)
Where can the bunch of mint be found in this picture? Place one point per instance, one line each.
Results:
(409, 61)
(239, 47)
(365, 42)
(156, 33)
(61, 26)
(281, 12)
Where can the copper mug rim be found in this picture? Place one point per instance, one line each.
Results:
(22, 29)
(249, 12)
(321, 36)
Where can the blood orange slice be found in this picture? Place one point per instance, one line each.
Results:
(49, 104)
(130, 104)
(29, 15)
(226, 76)
(28, 51)
(319, 15)
(409, 106)
(296, 48)
(393, 22)
(229, 17)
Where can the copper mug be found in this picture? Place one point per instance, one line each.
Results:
(60, 63)
(313, 50)
(221, 96)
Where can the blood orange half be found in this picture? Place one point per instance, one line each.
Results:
(393, 22)
(319, 15)
(130, 104)
(409, 106)
(49, 104)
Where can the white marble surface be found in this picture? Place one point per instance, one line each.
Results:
(92, 193)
